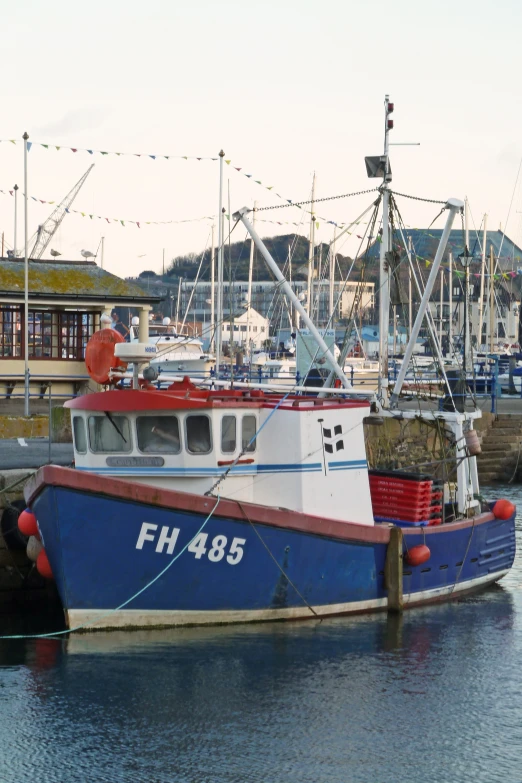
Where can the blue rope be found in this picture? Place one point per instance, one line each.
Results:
(125, 603)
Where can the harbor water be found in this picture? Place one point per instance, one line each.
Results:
(431, 696)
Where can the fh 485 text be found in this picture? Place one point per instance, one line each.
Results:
(214, 549)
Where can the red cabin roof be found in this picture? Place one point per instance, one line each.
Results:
(184, 395)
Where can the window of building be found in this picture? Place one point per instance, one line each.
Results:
(254, 328)
(198, 434)
(109, 433)
(158, 434)
(10, 332)
(55, 334)
(248, 431)
(80, 436)
(228, 434)
(243, 328)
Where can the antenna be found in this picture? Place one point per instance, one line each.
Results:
(49, 228)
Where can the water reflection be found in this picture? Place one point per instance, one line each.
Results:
(431, 695)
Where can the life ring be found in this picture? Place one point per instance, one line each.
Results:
(99, 355)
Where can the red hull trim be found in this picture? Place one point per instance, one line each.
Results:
(185, 501)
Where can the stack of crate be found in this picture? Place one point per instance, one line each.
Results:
(406, 498)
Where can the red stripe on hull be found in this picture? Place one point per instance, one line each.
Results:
(186, 501)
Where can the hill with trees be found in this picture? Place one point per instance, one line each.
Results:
(237, 256)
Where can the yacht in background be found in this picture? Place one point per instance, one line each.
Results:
(176, 352)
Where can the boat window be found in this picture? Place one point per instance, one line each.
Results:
(198, 434)
(249, 430)
(80, 436)
(228, 434)
(109, 433)
(158, 434)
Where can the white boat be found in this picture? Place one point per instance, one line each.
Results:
(175, 352)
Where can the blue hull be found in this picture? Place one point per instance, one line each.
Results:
(105, 549)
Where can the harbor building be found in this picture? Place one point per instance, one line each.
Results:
(249, 330)
(66, 301)
(192, 300)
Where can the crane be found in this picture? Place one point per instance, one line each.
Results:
(49, 228)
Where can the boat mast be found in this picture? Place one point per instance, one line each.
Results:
(287, 289)
(311, 254)
(450, 299)
(441, 304)
(332, 280)
(219, 315)
(491, 300)
(250, 274)
(384, 270)
(453, 206)
(466, 259)
(410, 293)
(482, 276)
(290, 310)
(212, 292)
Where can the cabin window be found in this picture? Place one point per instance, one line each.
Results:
(158, 434)
(228, 434)
(80, 436)
(109, 433)
(248, 432)
(198, 434)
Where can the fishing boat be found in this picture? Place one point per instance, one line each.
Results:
(220, 503)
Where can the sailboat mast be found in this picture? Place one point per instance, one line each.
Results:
(331, 279)
(450, 299)
(410, 293)
(384, 270)
(290, 309)
(441, 305)
(219, 315)
(250, 274)
(482, 277)
(491, 300)
(311, 254)
(212, 292)
(467, 357)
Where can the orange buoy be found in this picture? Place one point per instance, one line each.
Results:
(99, 355)
(27, 523)
(418, 555)
(43, 565)
(504, 509)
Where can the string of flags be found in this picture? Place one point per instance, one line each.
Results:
(151, 156)
(120, 221)
(157, 156)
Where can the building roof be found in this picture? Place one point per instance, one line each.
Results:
(426, 240)
(67, 280)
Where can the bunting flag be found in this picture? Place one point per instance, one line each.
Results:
(288, 201)
(151, 156)
(121, 221)
(156, 156)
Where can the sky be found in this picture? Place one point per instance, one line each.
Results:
(285, 88)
